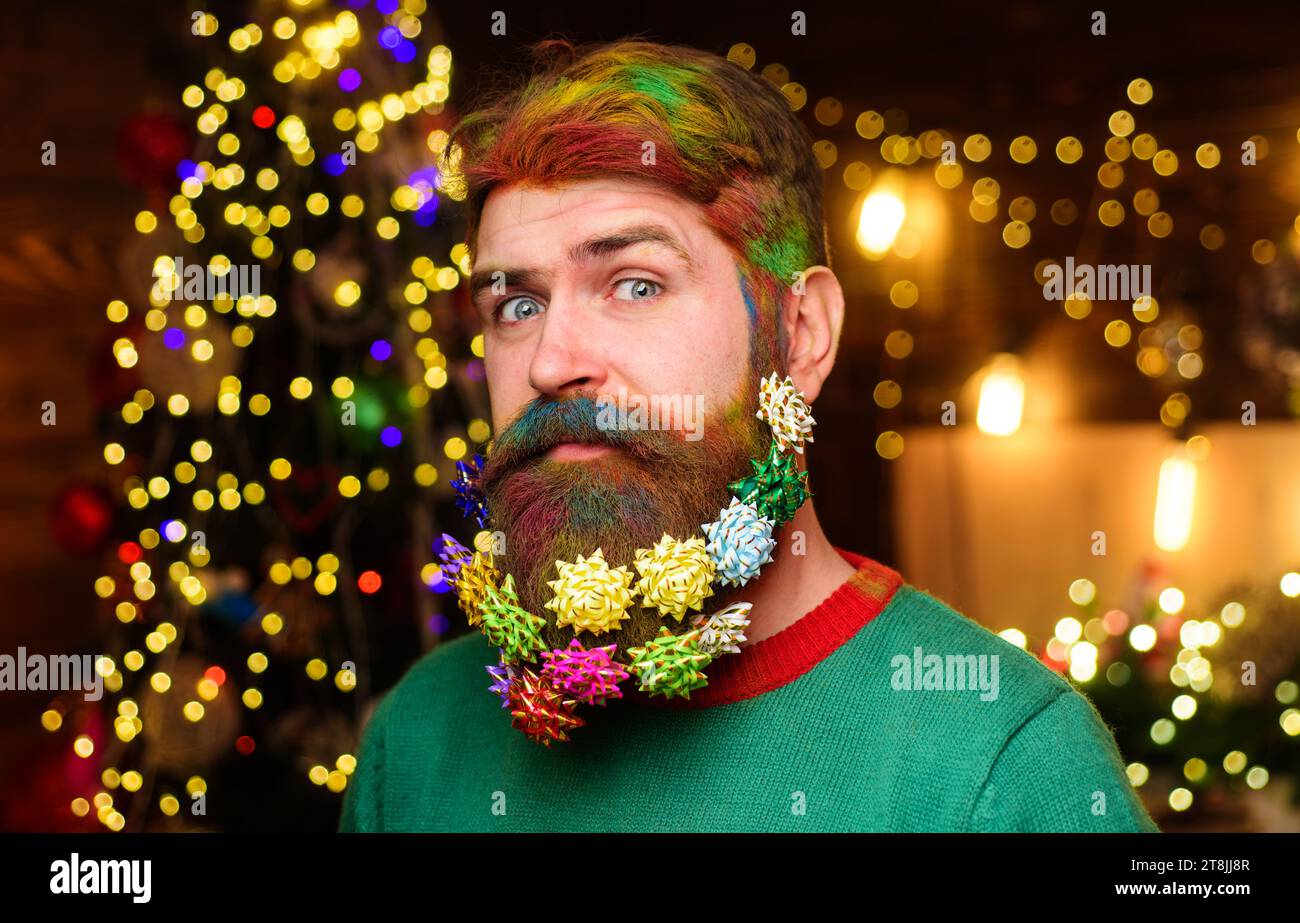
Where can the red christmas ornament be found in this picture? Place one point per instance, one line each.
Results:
(307, 498)
(81, 518)
(538, 709)
(1169, 627)
(149, 146)
(52, 775)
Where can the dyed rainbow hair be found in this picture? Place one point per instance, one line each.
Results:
(723, 137)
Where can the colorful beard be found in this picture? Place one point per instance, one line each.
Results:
(654, 482)
(640, 583)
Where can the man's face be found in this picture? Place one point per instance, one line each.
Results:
(616, 291)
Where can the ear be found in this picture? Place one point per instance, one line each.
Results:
(813, 322)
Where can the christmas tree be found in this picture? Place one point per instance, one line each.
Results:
(1200, 693)
(294, 379)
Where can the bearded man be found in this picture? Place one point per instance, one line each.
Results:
(647, 220)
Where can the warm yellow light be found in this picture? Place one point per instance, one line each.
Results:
(1175, 500)
(879, 221)
(1014, 636)
(1183, 707)
(1082, 591)
(1142, 637)
(1002, 397)
(1172, 600)
(1069, 630)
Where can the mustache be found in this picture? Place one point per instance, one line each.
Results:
(547, 422)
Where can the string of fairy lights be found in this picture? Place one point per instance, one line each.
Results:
(883, 229)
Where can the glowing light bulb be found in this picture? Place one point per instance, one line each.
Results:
(1002, 397)
(879, 221)
(1175, 500)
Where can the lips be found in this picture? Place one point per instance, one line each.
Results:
(578, 451)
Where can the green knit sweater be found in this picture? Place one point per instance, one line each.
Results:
(843, 721)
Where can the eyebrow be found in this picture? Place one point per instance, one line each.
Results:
(614, 241)
(602, 245)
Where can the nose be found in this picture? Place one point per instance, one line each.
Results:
(567, 356)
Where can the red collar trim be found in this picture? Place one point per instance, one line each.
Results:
(797, 648)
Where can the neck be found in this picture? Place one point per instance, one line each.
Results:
(794, 583)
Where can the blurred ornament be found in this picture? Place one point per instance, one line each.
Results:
(52, 775)
(337, 264)
(377, 403)
(149, 146)
(228, 597)
(81, 517)
(304, 619)
(177, 742)
(306, 499)
(167, 364)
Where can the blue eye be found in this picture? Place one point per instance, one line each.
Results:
(638, 289)
(526, 307)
